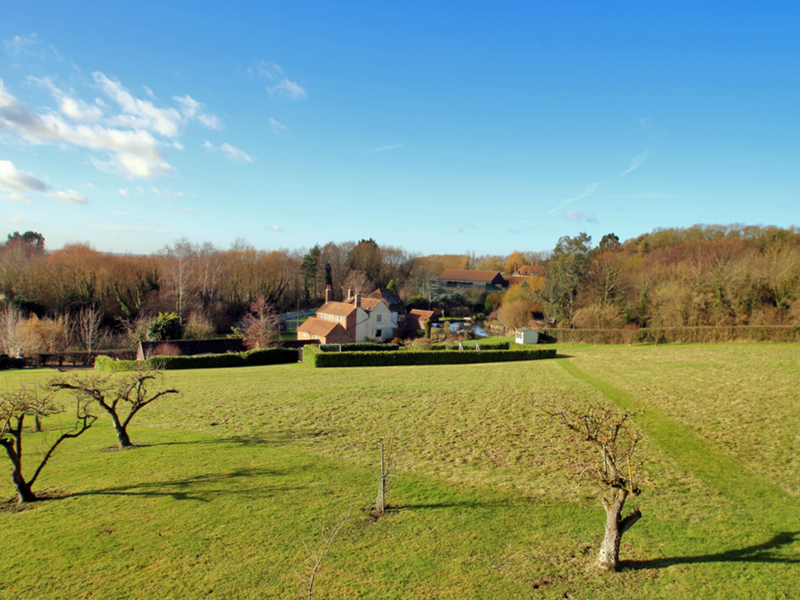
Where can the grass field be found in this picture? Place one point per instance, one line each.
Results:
(231, 474)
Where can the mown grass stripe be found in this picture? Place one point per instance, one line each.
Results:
(763, 502)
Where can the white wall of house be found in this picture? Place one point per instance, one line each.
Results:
(380, 323)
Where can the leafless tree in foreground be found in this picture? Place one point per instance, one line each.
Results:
(385, 478)
(115, 394)
(618, 472)
(17, 404)
(317, 553)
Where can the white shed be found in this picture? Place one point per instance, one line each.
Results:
(526, 335)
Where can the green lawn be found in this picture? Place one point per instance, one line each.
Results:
(246, 461)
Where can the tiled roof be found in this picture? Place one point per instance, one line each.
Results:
(422, 315)
(314, 326)
(338, 309)
(366, 303)
(464, 275)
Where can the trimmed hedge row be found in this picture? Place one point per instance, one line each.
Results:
(660, 335)
(315, 358)
(9, 362)
(250, 358)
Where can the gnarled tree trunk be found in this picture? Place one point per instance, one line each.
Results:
(616, 526)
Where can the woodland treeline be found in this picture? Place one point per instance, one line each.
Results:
(702, 275)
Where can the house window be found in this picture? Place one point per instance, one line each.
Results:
(339, 320)
(378, 333)
(380, 318)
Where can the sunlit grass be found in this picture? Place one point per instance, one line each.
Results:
(231, 474)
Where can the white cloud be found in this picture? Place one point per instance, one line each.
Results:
(15, 197)
(17, 182)
(192, 109)
(123, 192)
(166, 193)
(277, 127)
(287, 89)
(149, 92)
(276, 228)
(75, 109)
(231, 152)
(512, 230)
(138, 114)
(235, 154)
(135, 153)
(70, 196)
(14, 180)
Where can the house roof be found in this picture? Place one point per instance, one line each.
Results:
(339, 309)
(530, 270)
(390, 298)
(367, 304)
(421, 315)
(465, 275)
(314, 326)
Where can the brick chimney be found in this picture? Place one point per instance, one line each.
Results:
(349, 293)
(328, 294)
(358, 300)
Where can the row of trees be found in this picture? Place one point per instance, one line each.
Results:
(703, 275)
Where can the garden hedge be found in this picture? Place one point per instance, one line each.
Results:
(316, 358)
(250, 358)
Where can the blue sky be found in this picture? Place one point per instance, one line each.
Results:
(436, 127)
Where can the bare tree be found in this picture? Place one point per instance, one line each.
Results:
(11, 334)
(27, 402)
(88, 327)
(260, 325)
(385, 478)
(317, 553)
(359, 282)
(618, 472)
(115, 395)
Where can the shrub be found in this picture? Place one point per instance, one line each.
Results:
(199, 327)
(166, 326)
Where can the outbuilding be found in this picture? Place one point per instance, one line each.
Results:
(526, 335)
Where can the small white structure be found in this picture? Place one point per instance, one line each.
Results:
(526, 335)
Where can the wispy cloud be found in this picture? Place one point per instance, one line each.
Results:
(636, 162)
(232, 153)
(276, 228)
(512, 230)
(70, 197)
(285, 88)
(28, 46)
(166, 193)
(382, 148)
(277, 127)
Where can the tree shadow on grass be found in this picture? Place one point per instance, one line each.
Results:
(190, 488)
(759, 553)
